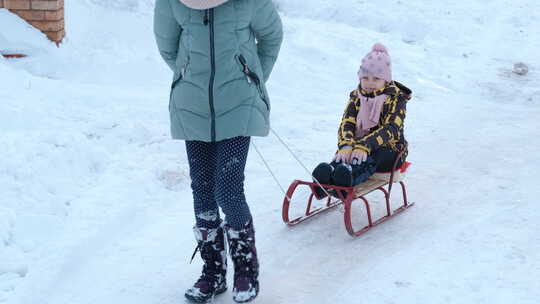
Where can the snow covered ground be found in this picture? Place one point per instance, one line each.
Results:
(95, 204)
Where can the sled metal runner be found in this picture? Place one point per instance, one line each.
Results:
(10, 56)
(347, 196)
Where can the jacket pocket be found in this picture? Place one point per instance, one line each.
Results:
(176, 80)
(184, 68)
(178, 77)
(252, 77)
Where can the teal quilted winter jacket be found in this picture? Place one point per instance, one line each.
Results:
(221, 59)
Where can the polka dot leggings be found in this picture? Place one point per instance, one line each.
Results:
(217, 181)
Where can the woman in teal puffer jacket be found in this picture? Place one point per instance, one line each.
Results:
(221, 53)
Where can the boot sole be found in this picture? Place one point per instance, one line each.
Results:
(206, 299)
(250, 299)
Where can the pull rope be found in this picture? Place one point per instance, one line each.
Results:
(294, 156)
(269, 169)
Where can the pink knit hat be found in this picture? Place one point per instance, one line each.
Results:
(377, 63)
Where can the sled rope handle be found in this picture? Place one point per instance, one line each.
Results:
(268, 168)
(295, 157)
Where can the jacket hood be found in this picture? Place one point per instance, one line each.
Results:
(405, 91)
(202, 4)
(393, 88)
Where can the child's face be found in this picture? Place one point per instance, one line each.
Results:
(370, 83)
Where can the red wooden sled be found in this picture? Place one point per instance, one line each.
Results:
(348, 195)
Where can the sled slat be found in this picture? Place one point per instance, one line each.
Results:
(368, 186)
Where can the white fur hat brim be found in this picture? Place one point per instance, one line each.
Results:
(202, 4)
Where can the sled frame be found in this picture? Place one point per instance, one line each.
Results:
(347, 196)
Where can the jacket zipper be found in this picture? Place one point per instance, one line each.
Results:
(205, 19)
(212, 75)
(251, 76)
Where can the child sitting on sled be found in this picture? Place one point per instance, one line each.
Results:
(370, 136)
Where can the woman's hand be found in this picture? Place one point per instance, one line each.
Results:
(358, 156)
(343, 156)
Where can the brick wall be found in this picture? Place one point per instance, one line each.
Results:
(45, 15)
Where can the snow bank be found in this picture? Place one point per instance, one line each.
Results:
(17, 36)
(125, 5)
(379, 16)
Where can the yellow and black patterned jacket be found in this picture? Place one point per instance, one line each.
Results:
(388, 132)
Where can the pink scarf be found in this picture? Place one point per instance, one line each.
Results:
(369, 114)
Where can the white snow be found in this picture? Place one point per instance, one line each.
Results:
(95, 203)
(17, 36)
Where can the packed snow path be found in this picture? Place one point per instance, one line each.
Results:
(96, 204)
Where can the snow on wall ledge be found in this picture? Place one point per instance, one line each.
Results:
(45, 15)
(17, 36)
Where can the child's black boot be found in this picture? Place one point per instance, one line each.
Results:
(211, 244)
(342, 176)
(323, 175)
